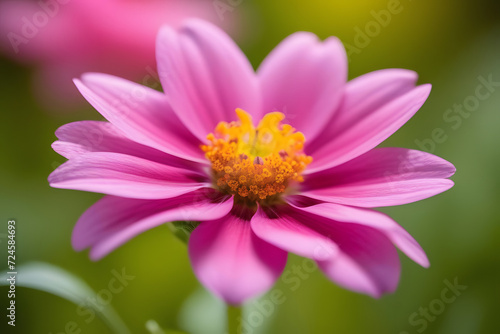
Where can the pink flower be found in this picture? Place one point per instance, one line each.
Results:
(65, 38)
(259, 191)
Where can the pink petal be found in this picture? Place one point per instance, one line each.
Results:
(367, 93)
(231, 261)
(124, 175)
(304, 78)
(373, 109)
(381, 177)
(205, 75)
(367, 262)
(82, 137)
(283, 230)
(374, 219)
(142, 114)
(112, 221)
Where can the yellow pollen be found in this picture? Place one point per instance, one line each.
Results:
(256, 163)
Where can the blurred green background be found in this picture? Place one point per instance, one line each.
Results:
(449, 43)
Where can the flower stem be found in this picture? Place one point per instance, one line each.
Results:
(234, 322)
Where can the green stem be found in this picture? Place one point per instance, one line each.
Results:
(234, 319)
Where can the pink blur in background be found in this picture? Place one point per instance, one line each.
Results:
(62, 39)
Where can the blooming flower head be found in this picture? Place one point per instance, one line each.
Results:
(64, 39)
(282, 160)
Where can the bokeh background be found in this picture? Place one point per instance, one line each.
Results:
(449, 43)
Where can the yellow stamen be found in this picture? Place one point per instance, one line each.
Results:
(256, 163)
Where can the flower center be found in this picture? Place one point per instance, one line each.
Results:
(256, 163)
